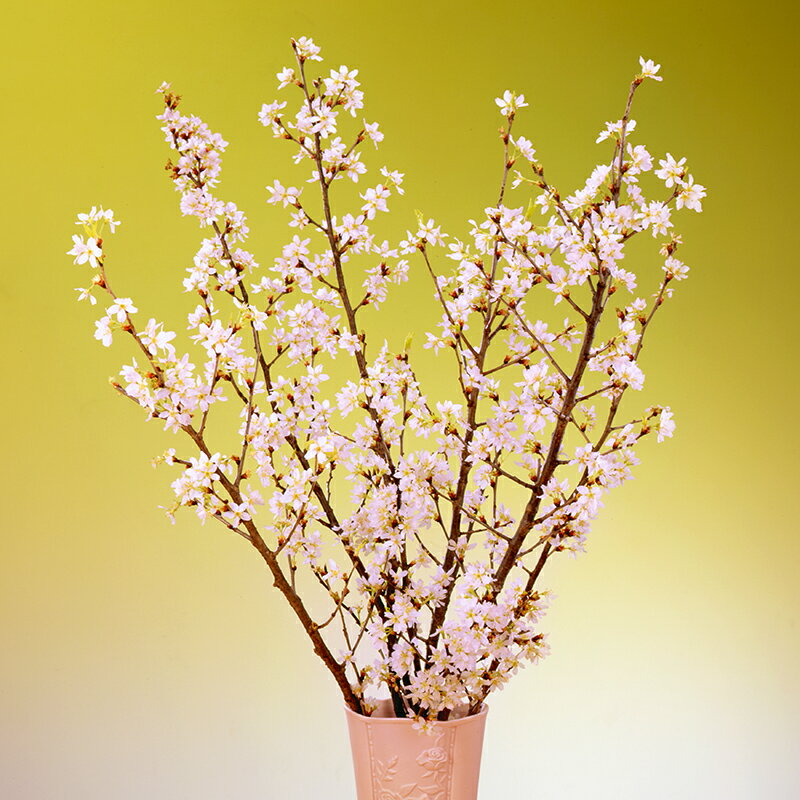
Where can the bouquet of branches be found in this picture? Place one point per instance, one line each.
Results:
(407, 534)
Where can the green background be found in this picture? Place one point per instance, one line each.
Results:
(144, 660)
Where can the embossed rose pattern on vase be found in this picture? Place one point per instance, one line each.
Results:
(434, 773)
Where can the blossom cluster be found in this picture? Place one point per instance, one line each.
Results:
(401, 510)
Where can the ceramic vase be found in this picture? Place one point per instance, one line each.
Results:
(395, 761)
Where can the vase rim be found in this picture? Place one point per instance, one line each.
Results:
(450, 723)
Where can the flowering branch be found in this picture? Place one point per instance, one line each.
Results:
(387, 513)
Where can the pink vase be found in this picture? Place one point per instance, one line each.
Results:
(395, 761)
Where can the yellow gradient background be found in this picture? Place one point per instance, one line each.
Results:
(141, 660)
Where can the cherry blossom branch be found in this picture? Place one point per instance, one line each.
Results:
(281, 583)
(430, 590)
(450, 565)
(532, 507)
